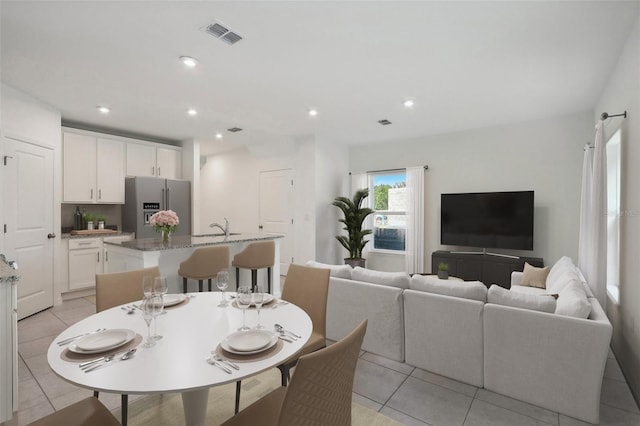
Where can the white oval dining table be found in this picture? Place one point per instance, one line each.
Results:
(177, 363)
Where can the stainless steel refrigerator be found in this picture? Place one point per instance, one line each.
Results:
(143, 196)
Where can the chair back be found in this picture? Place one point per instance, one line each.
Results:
(256, 255)
(121, 287)
(308, 288)
(205, 262)
(321, 388)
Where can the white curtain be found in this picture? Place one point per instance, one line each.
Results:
(592, 251)
(414, 255)
(359, 181)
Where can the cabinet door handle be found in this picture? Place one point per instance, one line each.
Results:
(153, 171)
(92, 193)
(106, 256)
(98, 253)
(100, 194)
(159, 174)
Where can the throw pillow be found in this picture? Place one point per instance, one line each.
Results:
(393, 279)
(474, 290)
(572, 301)
(534, 277)
(338, 271)
(534, 302)
(562, 266)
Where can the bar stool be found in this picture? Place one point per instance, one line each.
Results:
(256, 256)
(204, 264)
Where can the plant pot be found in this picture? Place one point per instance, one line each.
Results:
(355, 262)
(443, 275)
(101, 224)
(90, 225)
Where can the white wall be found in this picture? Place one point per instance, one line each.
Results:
(26, 118)
(544, 156)
(621, 93)
(229, 187)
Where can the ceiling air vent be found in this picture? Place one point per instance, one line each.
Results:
(234, 129)
(384, 122)
(223, 33)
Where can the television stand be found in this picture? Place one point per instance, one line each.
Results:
(490, 268)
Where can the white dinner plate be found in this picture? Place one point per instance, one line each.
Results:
(268, 298)
(173, 299)
(249, 341)
(102, 341)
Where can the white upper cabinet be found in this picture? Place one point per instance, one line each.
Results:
(93, 169)
(154, 161)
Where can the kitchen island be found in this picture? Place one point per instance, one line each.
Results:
(148, 252)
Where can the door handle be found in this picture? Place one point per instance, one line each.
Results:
(260, 227)
(51, 235)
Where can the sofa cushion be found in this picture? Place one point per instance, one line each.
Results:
(338, 271)
(474, 290)
(534, 277)
(502, 296)
(561, 273)
(572, 301)
(393, 279)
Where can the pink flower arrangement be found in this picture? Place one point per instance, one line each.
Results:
(164, 220)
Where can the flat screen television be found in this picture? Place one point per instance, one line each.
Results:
(502, 220)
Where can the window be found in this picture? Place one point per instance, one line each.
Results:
(613, 215)
(389, 200)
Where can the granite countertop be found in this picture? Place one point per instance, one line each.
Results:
(188, 241)
(115, 234)
(7, 273)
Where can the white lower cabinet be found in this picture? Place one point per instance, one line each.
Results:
(88, 257)
(85, 261)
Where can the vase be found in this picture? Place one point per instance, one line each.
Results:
(166, 237)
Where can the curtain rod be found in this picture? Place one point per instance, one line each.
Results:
(605, 115)
(426, 167)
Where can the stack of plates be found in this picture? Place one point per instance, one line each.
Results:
(173, 299)
(249, 342)
(268, 298)
(102, 341)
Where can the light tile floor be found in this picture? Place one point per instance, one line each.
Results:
(407, 394)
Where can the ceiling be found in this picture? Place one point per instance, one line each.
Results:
(466, 64)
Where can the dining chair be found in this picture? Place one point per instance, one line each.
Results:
(204, 264)
(255, 256)
(306, 287)
(87, 412)
(115, 289)
(320, 391)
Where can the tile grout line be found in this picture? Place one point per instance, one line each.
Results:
(38, 382)
(637, 413)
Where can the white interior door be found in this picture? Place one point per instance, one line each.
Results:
(28, 215)
(276, 211)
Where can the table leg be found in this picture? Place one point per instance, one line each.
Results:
(195, 407)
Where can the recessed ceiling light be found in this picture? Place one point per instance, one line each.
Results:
(218, 135)
(104, 109)
(192, 112)
(313, 112)
(409, 103)
(188, 61)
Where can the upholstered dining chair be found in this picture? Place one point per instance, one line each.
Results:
(115, 289)
(307, 288)
(87, 412)
(320, 391)
(204, 264)
(258, 255)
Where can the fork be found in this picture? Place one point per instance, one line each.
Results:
(226, 361)
(212, 361)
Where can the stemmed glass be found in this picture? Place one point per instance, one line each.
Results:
(147, 286)
(149, 308)
(258, 299)
(244, 301)
(222, 282)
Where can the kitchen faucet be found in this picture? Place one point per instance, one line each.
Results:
(225, 229)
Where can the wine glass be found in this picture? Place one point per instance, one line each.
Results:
(158, 301)
(148, 309)
(222, 282)
(147, 286)
(258, 299)
(243, 300)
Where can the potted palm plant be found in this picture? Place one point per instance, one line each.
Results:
(354, 216)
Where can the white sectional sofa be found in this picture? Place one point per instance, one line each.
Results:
(521, 343)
